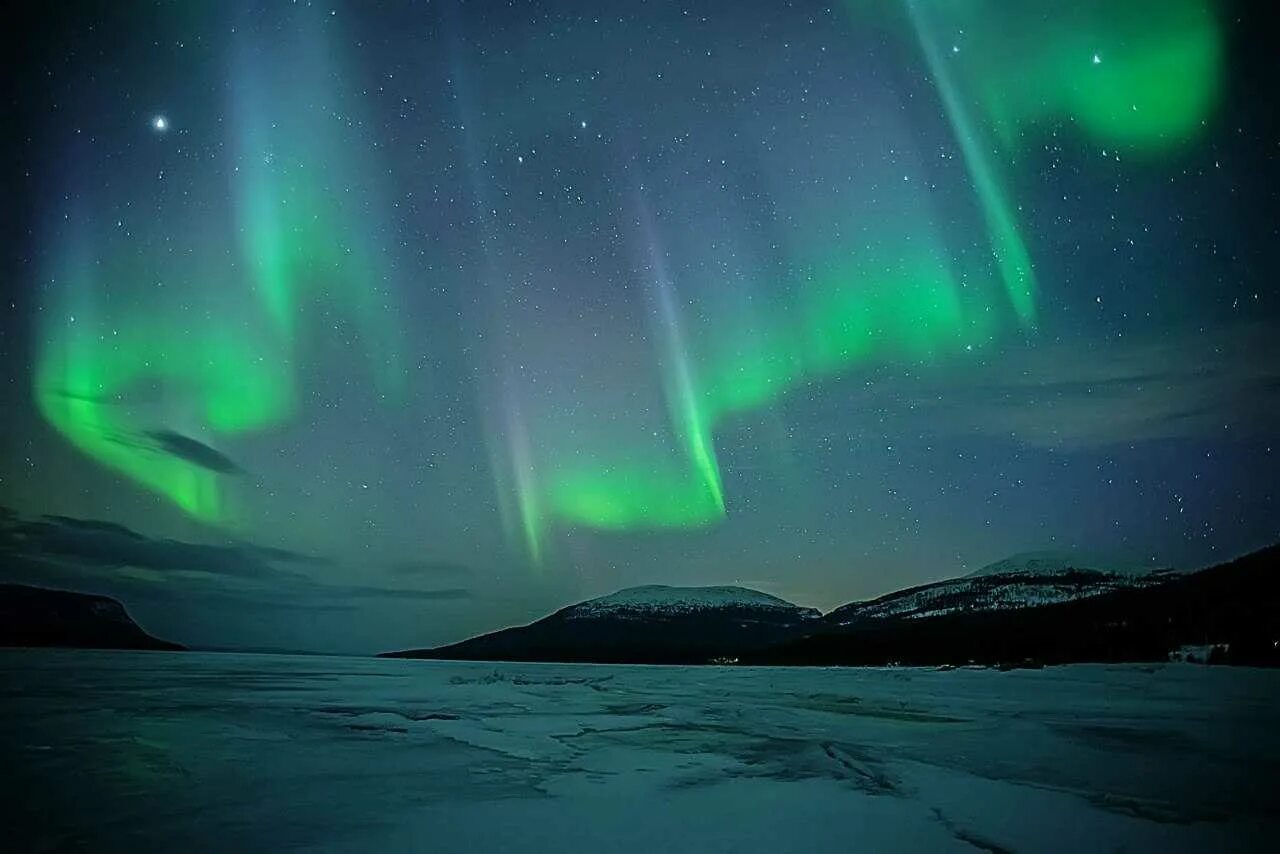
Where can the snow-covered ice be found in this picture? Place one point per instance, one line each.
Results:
(198, 752)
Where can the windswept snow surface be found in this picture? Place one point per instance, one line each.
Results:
(202, 752)
(658, 597)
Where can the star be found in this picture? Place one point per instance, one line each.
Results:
(159, 124)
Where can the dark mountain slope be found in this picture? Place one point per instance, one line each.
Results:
(1235, 605)
(1009, 615)
(649, 625)
(35, 616)
(1001, 586)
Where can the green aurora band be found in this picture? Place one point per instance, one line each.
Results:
(903, 306)
(193, 342)
(1140, 76)
(902, 299)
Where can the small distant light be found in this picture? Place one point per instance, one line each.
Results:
(159, 124)
(1097, 60)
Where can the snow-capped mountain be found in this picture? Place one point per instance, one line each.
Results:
(1022, 581)
(1035, 607)
(1051, 562)
(1057, 615)
(654, 624)
(660, 598)
(658, 623)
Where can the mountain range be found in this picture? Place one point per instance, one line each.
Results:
(1033, 608)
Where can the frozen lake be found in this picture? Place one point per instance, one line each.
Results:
(194, 752)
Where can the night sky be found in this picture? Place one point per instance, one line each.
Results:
(360, 325)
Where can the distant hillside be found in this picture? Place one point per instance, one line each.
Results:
(1023, 582)
(656, 625)
(35, 616)
(1233, 608)
(1019, 611)
(1048, 562)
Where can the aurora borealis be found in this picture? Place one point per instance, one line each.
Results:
(177, 329)
(826, 300)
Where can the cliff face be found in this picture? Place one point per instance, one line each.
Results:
(35, 616)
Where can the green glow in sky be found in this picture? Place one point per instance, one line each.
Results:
(1012, 258)
(199, 324)
(900, 301)
(1143, 74)
(191, 342)
(1140, 74)
(109, 376)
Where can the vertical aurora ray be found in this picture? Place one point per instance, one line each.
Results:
(896, 301)
(726, 350)
(512, 464)
(683, 400)
(1012, 258)
(897, 295)
(528, 503)
(304, 193)
(1141, 75)
(691, 421)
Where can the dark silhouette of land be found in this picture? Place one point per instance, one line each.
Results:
(35, 616)
(1230, 613)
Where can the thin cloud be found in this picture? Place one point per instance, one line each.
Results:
(362, 592)
(430, 568)
(1072, 394)
(106, 544)
(87, 551)
(193, 451)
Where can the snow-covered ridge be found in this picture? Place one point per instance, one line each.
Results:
(1015, 583)
(1022, 581)
(949, 597)
(666, 599)
(1043, 563)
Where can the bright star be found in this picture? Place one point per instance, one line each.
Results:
(1097, 60)
(159, 124)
